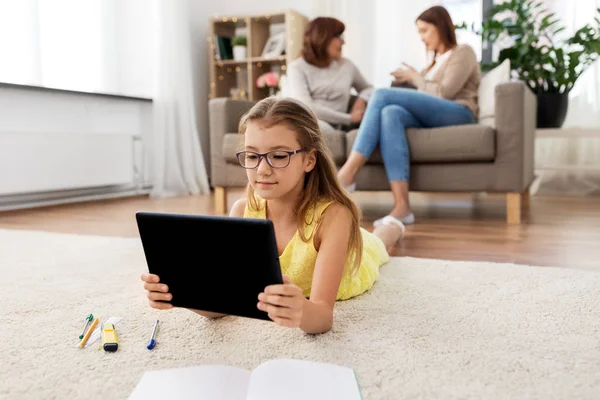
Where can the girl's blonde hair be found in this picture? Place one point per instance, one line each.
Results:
(321, 183)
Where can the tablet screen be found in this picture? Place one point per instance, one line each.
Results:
(211, 263)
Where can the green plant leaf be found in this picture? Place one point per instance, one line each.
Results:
(562, 28)
(239, 41)
(554, 66)
(461, 26)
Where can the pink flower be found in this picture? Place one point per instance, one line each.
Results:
(260, 82)
(269, 79)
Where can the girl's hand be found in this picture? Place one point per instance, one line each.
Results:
(284, 303)
(157, 292)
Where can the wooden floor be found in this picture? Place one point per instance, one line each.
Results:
(557, 231)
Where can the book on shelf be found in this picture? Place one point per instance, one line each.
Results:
(289, 379)
(223, 48)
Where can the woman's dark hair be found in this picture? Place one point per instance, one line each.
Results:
(440, 18)
(318, 34)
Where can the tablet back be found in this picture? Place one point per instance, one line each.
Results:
(211, 263)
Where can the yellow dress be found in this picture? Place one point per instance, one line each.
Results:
(298, 258)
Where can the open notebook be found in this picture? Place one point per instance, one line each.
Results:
(273, 380)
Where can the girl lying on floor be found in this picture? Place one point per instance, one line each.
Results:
(324, 253)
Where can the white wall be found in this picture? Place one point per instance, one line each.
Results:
(360, 33)
(55, 140)
(104, 46)
(135, 54)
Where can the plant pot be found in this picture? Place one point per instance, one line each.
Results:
(552, 109)
(239, 53)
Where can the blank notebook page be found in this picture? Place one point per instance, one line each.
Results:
(203, 382)
(301, 380)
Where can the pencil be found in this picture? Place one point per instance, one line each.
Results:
(89, 332)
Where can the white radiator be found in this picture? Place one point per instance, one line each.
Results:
(42, 162)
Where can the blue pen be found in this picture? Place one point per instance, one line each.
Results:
(152, 341)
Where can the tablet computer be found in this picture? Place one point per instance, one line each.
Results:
(211, 263)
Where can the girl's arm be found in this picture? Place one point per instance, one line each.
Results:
(285, 303)
(331, 242)
(236, 211)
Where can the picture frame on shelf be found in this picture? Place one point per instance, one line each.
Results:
(275, 46)
(272, 41)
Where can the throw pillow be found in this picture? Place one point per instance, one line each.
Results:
(487, 99)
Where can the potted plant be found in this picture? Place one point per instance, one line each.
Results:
(239, 44)
(527, 36)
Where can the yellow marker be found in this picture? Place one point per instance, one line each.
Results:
(109, 337)
(89, 332)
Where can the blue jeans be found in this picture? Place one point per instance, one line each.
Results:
(390, 111)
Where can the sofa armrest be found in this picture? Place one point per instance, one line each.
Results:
(224, 116)
(515, 120)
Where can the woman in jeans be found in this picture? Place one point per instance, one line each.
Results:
(446, 94)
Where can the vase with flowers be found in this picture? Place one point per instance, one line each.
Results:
(269, 80)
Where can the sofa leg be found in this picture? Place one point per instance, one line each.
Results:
(525, 199)
(513, 208)
(220, 200)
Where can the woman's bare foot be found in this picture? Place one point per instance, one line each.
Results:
(400, 211)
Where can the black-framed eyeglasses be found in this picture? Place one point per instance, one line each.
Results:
(275, 158)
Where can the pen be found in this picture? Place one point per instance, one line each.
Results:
(87, 321)
(89, 332)
(152, 342)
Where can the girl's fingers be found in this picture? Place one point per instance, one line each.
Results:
(157, 296)
(277, 300)
(284, 290)
(146, 277)
(157, 292)
(272, 310)
(289, 323)
(160, 306)
(279, 312)
(156, 287)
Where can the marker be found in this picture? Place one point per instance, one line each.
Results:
(152, 342)
(89, 332)
(87, 321)
(109, 337)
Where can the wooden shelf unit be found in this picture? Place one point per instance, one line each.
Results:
(225, 75)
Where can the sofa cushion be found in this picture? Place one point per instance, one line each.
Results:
(336, 140)
(459, 143)
(486, 93)
(231, 145)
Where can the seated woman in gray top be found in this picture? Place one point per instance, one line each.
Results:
(322, 79)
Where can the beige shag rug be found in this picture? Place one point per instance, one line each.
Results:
(429, 329)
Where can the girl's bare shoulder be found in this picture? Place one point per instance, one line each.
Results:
(238, 208)
(336, 213)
